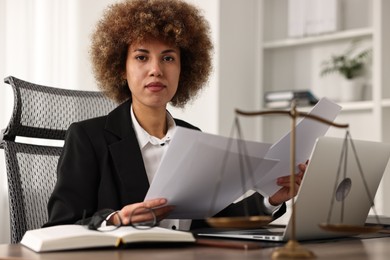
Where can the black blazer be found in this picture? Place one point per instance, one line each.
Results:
(101, 167)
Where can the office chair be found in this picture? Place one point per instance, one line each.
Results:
(45, 113)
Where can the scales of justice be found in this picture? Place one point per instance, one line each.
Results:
(293, 249)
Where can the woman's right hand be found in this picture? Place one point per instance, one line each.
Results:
(159, 207)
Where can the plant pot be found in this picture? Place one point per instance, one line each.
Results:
(352, 90)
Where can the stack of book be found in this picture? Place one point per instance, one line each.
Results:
(283, 99)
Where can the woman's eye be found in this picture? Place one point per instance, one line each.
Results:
(141, 58)
(168, 58)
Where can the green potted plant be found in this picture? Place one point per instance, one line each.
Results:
(351, 66)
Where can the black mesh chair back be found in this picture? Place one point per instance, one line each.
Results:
(40, 112)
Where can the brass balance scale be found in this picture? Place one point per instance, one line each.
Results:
(293, 249)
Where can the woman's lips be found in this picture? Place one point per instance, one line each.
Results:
(155, 86)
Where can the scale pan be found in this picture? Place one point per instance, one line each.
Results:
(350, 228)
(239, 222)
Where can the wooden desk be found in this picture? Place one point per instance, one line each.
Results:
(356, 249)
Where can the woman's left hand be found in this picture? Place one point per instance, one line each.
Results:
(284, 193)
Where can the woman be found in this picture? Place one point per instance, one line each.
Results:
(145, 53)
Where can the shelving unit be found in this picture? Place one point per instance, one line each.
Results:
(338, 36)
(295, 63)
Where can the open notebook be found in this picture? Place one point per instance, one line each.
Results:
(313, 200)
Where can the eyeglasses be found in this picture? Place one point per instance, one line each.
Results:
(107, 220)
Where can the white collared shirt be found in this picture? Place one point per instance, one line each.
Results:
(153, 150)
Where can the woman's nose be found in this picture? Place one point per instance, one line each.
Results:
(155, 69)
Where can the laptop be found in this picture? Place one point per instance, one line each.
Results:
(314, 199)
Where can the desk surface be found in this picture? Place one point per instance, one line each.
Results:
(354, 249)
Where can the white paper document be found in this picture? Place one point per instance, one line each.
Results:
(202, 173)
(306, 133)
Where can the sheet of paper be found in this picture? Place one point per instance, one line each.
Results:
(201, 173)
(307, 132)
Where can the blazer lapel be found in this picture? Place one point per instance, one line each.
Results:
(126, 156)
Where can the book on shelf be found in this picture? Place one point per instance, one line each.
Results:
(281, 99)
(70, 237)
(313, 17)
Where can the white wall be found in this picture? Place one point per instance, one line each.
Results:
(238, 65)
(47, 41)
(235, 81)
(5, 110)
(203, 111)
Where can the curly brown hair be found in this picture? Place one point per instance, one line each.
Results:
(131, 21)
